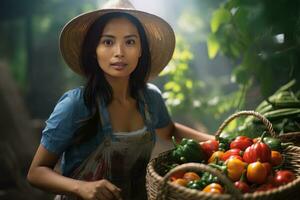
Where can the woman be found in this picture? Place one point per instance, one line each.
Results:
(105, 132)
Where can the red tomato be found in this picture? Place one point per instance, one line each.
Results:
(242, 186)
(283, 177)
(276, 158)
(257, 152)
(180, 181)
(191, 176)
(236, 156)
(268, 167)
(241, 142)
(177, 175)
(209, 147)
(231, 152)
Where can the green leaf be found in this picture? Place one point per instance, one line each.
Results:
(189, 84)
(213, 46)
(172, 86)
(219, 17)
(240, 75)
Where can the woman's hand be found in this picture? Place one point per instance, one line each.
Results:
(99, 190)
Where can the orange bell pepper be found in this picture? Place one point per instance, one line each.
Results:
(214, 188)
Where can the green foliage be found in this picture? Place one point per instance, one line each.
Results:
(188, 97)
(181, 87)
(261, 37)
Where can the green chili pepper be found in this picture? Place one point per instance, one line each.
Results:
(223, 146)
(273, 143)
(206, 179)
(197, 184)
(222, 168)
(187, 151)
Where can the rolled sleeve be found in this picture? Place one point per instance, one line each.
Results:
(59, 129)
(157, 107)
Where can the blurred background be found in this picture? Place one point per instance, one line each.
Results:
(230, 55)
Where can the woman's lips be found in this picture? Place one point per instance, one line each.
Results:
(118, 65)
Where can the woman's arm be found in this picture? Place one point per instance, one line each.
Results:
(42, 175)
(181, 131)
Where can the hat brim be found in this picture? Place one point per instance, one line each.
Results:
(160, 35)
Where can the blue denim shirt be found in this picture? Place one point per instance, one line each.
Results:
(70, 109)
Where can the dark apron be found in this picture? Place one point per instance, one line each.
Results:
(120, 158)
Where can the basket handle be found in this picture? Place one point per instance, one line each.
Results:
(162, 190)
(265, 121)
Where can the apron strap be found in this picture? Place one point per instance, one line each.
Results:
(146, 114)
(104, 117)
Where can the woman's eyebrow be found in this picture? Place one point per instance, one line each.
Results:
(133, 35)
(109, 36)
(127, 36)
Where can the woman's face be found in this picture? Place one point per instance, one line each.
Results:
(119, 48)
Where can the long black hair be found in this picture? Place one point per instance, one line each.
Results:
(97, 85)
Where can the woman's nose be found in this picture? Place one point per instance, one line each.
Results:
(119, 50)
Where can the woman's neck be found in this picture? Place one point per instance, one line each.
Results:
(120, 87)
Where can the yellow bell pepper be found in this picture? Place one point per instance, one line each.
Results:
(216, 155)
(235, 168)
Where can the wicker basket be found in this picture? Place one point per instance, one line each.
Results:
(159, 188)
(291, 137)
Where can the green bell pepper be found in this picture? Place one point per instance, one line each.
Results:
(275, 144)
(206, 179)
(187, 151)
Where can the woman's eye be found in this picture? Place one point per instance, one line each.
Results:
(130, 42)
(107, 42)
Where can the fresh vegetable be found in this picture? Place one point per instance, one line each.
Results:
(242, 184)
(241, 142)
(187, 151)
(257, 152)
(232, 167)
(177, 175)
(282, 109)
(235, 168)
(283, 177)
(197, 184)
(191, 176)
(208, 178)
(205, 180)
(273, 143)
(276, 158)
(180, 181)
(224, 141)
(236, 156)
(256, 173)
(209, 147)
(215, 156)
(231, 152)
(214, 188)
(268, 167)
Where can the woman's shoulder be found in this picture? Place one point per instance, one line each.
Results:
(152, 94)
(152, 90)
(73, 96)
(71, 102)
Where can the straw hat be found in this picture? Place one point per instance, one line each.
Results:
(159, 33)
